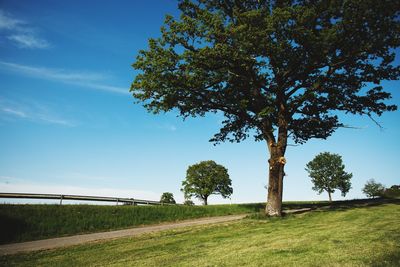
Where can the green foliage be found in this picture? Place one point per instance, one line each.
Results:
(373, 189)
(327, 174)
(206, 178)
(188, 202)
(392, 192)
(272, 64)
(167, 198)
(363, 236)
(31, 222)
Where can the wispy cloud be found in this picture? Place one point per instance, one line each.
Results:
(49, 73)
(171, 128)
(79, 78)
(32, 112)
(53, 120)
(9, 23)
(167, 126)
(20, 32)
(28, 41)
(14, 112)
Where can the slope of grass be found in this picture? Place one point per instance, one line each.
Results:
(345, 236)
(32, 222)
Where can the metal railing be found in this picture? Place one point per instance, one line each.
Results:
(117, 200)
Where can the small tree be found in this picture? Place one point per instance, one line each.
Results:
(373, 189)
(168, 198)
(327, 174)
(188, 202)
(206, 178)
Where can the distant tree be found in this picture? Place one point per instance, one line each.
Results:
(275, 69)
(206, 178)
(188, 202)
(167, 197)
(327, 174)
(392, 192)
(373, 189)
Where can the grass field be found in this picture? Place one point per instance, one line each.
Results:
(32, 222)
(347, 235)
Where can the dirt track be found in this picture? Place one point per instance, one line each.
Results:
(80, 239)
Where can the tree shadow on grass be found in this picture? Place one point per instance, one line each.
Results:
(291, 209)
(342, 205)
(388, 259)
(11, 228)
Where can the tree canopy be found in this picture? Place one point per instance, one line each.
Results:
(276, 69)
(188, 202)
(257, 61)
(373, 189)
(168, 198)
(327, 174)
(207, 178)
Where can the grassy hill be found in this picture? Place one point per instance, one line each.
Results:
(32, 222)
(347, 234)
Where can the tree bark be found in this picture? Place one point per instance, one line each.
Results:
(275, 183)
(330, 197)
(277, 161)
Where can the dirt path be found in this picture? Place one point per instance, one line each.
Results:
(80, 239)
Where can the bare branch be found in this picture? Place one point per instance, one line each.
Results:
(376, 122)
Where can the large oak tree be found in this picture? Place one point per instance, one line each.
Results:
(278, 69)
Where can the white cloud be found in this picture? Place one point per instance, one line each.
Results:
(171, 128)
(53, 120)
(32, 112)
(9, 23)
(14, 112)
(21, 33)
(28, 41)
(53, 74)
(79, 78)
(109, 88)
(166, 126)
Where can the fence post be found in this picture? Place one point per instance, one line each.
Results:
(61, 198)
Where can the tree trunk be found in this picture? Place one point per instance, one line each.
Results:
(277, 161)
(205, 200)
(330, 197)
(275, 184)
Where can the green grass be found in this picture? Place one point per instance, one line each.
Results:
(365, 234)
(32, 222)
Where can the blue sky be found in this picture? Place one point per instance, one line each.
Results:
(69, 125)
